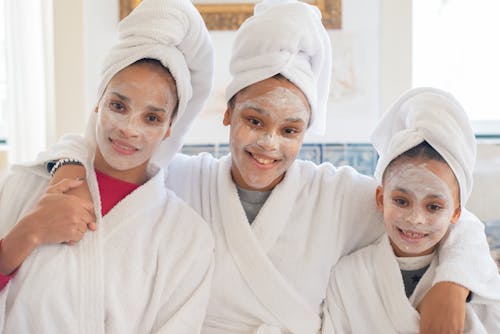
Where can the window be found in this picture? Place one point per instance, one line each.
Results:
(3, 81)
(455, 47)
(22, 78)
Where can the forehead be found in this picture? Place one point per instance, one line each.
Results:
(404, 169)
(145, 76)
(270, 85)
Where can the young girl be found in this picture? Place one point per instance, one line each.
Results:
(147, 268)
(422, 192)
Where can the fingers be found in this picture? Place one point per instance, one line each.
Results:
(64, 185)
(92, 226)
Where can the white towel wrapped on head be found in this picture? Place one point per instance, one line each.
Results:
(285, 37)
(172, 32)
(435, 116)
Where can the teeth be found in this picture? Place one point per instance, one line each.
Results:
(263, 161)
(127, 148)
(413, 234)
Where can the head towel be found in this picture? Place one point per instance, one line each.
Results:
(285, 37)
(435, 116)
(172, 32)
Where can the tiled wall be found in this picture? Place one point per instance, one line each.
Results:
(361, 156)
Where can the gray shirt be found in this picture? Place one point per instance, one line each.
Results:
(252, 201)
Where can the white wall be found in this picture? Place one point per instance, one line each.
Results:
(370, 54)
(355, 94)
(69, 69)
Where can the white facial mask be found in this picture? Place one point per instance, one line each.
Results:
(418, 207)
(262, 154)
(133, 116)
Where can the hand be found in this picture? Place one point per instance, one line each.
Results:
(74, 172)
(61, 217)
(57, 217)
(442, 310)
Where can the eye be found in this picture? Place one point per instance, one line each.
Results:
(290, 131)
(433, 207)
(153, 118)
(254, 121)
(401, 202)
(117, 106)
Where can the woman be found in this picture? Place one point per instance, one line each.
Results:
(148, 266)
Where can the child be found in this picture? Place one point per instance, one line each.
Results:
(148, 267)
(427, 154)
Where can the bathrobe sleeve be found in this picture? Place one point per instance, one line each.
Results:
(335, 318)
(69, 146)
(465, 258)
(18, 192)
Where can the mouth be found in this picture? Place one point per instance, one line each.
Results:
(412, 235)
(122, 147)
(262, 160)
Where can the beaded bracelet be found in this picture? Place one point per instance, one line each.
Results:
(62, 162)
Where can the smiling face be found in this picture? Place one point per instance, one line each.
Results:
(419, 200)
(134, 116)
(268, 121)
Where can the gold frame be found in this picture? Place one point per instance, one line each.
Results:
(230, 16)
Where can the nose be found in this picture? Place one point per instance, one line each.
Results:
(417, 217)
(130, 127)
(268, 141)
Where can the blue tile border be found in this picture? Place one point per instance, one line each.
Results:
(361, 156)
(492, 230)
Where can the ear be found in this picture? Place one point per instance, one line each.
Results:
(168, 133)
(379, 198)
(456, 215)
(227, 116)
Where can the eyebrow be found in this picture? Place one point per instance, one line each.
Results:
(149, 107)
(403, 190)
(249, 105)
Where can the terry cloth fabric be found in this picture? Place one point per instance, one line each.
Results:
(147, 268)
(366, 295)
(285, 37)
(435, 116)
(173, 32)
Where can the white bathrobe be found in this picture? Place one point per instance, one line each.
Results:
(272, 276)
(367, 295)
(147, 269)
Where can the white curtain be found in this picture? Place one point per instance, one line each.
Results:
(28, 85)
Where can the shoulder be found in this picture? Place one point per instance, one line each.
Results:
(350, 264)
(327, 175)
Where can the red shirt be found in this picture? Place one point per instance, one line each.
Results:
(112, 190)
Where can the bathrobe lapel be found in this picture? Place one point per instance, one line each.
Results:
(249, 246)
(389, 283)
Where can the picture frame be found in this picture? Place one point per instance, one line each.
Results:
(229, 16)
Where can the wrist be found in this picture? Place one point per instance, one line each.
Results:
(456, 289)
(14, 249)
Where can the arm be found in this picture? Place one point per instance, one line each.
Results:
(70, 146)
(54, 219)
(465, 264)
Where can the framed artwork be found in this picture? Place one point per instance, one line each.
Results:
(230, 15)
